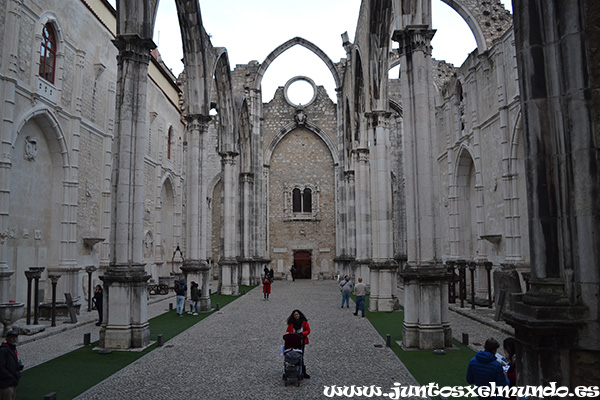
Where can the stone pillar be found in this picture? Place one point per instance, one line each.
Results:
(195, 261)
(557, 321)
(351, 220)
(363, 219)
(228, 262)
(384, 267)
(424, 275)
(7, 96)
(125, 280)
(247, 180)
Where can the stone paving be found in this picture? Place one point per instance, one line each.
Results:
(234, 353)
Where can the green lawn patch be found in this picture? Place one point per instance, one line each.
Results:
(73, 373)
(449, 369)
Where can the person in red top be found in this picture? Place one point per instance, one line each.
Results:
(297, 323)
(266, 287)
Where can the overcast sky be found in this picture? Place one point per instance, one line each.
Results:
(250, 30)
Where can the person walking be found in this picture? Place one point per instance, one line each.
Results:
(360, 290)
(293, 272)
(484, 369)
(180, 291)
(346, 289)
(194, 298)
(266, 287)
(97, 301)
(10, 366)
(297, 323)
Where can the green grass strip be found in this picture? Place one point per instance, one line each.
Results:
(73, 373)
(449, 369)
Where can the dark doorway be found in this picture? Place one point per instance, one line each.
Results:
(302, 261)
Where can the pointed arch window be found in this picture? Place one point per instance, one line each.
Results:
(296, 201)
(169, 142)
(307, 200)
(48, 54)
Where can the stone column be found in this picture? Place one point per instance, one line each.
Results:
(363, 220)
(424, 275)
(383, 267)
(125, 280)
(195, 265)
(557, 321)
(9, 70)
(247, 180)
(228, 262)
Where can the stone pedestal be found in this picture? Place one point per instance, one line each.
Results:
(204, 303)
(125, 319)
(426, 323)
(229, 285)
(547, 328)
(385, 273)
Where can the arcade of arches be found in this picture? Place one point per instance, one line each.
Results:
(112, 165)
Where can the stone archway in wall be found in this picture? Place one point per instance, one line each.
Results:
(167, 242)
(36, 221)
(301, 201)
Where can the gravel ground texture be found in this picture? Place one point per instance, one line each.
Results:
(234, 353)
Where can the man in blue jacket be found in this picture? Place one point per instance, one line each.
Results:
(484, 368)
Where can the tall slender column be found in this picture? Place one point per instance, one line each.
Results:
(194, 264)
(247, 180)
(383, 267)
(125, 280)
(8, 70)
(228, 261)
(424, 275)
(363, 225)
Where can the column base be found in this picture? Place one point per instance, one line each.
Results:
(125, 309)
(551, 336)
(229, 277)
(426, 325)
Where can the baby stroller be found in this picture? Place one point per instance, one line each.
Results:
(292, 357)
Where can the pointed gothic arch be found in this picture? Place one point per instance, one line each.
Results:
(286, 46)
(311, 127)
(245, 136)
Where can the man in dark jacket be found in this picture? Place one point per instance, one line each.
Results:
(10, 366)
(180, 291)
(484, 368)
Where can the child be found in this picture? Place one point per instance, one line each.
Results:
(266, 287)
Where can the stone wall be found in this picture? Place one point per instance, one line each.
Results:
(301, 159)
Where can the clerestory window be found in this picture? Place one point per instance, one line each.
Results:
(48, 54)
(169, 142)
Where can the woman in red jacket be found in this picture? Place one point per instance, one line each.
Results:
(266, 287)
(297, 323)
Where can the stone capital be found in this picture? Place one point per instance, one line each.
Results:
(197, 122)
(414, 38)
(247, 177)
(125, 273)
(133, 48)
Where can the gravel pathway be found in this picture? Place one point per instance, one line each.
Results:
(234, 353)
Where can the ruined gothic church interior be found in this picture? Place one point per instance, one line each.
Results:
(114, 169)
